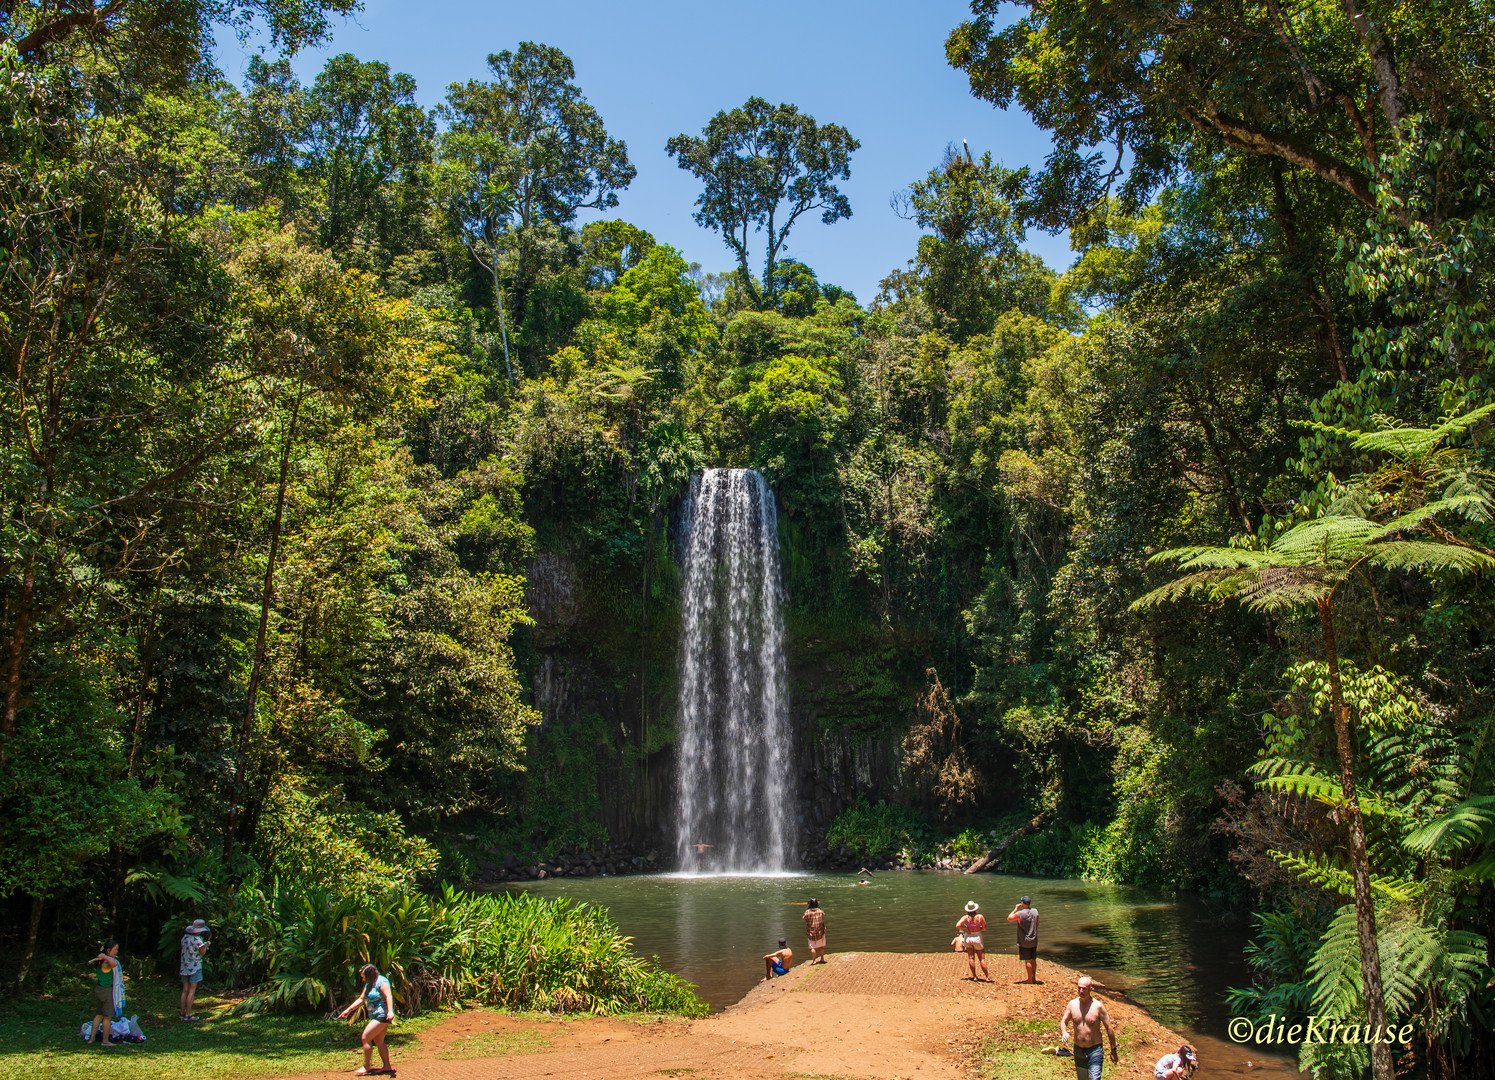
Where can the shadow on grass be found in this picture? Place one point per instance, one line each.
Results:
(39, 1037)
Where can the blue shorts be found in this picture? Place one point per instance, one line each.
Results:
(1088, 1062)
(779, 970)
(195, 977)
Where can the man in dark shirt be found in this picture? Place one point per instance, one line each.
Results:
(1026, 917)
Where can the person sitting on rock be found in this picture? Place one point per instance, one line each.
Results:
(777, 963)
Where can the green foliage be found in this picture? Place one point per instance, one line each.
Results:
(307, 841)
(513, 949)
(971, 265)
(1280, 953)
(563, 797)
(878, 829)
(67, 797)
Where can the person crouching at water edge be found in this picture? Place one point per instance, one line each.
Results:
(971, 926)
(777, 963)
(814, 917)
(1088, 1015)
(1176, 1066)
(379, 1000)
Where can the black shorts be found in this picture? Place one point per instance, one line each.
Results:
(1027, 952)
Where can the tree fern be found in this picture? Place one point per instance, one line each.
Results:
(1387, 521)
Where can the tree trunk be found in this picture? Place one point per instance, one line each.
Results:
(21, 623)
(996, 852)
(267, 592)
(36, 921)
(1365, 908)
(503, 333)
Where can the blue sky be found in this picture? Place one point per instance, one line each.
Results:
(654, 70)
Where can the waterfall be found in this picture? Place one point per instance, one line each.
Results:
(733, 708)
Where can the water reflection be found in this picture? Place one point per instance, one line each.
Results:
(1176, 955)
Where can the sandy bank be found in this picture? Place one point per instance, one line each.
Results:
(873, 1015)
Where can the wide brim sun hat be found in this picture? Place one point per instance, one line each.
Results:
(197, 926)
(973, 906)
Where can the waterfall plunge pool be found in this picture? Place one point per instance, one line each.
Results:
(1176, 954)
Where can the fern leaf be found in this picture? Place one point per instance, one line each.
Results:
(1335, 968)
(1426, 555)
(1412, 519)
(1324, 873)
(1470, 822)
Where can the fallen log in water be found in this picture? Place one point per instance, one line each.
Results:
(996, 852)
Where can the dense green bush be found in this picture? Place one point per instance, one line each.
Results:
(509, 949)
(879, 829)
(1053, 852)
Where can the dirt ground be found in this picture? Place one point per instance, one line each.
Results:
(862, 1015)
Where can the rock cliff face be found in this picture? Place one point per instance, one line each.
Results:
(587, 674)
(637, 790)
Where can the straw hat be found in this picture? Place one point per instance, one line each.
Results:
(972, 906)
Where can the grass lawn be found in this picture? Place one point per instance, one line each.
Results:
(39, 1040)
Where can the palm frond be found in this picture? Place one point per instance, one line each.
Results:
(1324, 539)
(1214, 558)
(1480, 872)
(1479, 510)
(1297, 778)
(1281, 588)
(1335, 968)
(1409, 443)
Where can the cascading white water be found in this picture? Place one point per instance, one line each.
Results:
(733, 708)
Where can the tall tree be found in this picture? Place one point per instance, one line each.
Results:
(522, 152)
(972, 263)
(160, 40)
(365, 134)
(764, 167)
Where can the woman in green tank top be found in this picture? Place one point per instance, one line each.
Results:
(103, 991)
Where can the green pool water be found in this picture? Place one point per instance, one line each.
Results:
(1174, 953)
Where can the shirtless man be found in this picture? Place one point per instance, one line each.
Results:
(1088, 1014)
(777, 963)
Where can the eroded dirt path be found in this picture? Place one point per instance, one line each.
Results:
(878, 1016)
